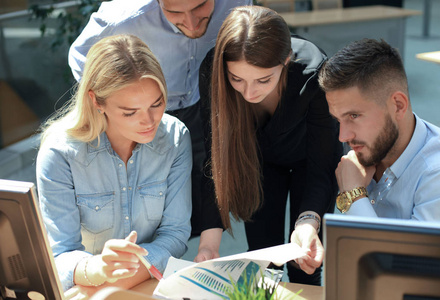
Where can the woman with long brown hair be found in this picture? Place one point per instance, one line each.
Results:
(269, 133)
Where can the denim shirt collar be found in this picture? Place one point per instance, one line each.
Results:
(160, 143)
(102, 143)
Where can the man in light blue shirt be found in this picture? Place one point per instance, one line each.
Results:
(179, 33)
(393, 169)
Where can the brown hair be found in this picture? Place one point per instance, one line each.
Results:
(373, 66)
(260, 37)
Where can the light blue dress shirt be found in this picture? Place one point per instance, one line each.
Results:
(409, 189)
(179, 56)
(88, 196)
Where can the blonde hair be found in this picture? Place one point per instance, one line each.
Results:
(111, 64)
(260, 37)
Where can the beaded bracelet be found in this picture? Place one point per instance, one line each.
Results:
(309, 216)
(85, 274)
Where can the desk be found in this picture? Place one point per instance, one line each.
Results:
(139, 292)
(430, 56)
(332, 29)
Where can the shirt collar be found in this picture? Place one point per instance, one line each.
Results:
(99, 144)
(415, 144)
(174, 27)
(164, 19)
(104, 144)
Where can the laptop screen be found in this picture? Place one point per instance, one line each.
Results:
(26, 259)
(380, 258)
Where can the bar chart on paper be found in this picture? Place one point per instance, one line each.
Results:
(214, 282)
(211, 279)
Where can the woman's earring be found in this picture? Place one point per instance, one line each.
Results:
(99, 111)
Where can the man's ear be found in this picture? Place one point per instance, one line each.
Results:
(400, 102)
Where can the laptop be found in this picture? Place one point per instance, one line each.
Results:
(27, 264)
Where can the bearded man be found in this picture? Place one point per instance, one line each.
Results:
(393, 169)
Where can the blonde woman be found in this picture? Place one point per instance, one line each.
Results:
(114, 171)
(272, 135)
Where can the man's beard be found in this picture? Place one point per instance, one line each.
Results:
(198, 35)
(381, 146)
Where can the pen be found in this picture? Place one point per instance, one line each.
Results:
(152, 269)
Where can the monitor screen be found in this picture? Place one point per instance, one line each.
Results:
(27, 268)
(379, 258)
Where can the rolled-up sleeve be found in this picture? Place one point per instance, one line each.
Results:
(175, 227)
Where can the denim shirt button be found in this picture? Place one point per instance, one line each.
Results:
(126, 217)
(131, 161)
(120, 165)
(96, 207)
(129, 188)
(124, 188)
(372, 201)
(160, 193)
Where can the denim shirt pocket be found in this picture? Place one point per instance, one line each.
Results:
(96, 211)
(153, 199)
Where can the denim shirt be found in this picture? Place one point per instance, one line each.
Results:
(88, 196)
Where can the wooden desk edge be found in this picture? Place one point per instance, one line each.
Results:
(346, 15)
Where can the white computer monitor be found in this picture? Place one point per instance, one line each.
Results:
(379, 258)
(27, 264)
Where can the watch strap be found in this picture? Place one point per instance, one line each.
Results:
(350, 197)
(356, 192)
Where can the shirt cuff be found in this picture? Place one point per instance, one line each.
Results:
(362, 207)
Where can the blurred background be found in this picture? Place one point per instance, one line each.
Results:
(35, 79)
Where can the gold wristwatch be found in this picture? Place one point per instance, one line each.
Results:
(345, 199)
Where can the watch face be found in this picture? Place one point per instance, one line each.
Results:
(341, 202)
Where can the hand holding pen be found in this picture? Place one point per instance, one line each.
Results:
(119, 259)
(152, 269)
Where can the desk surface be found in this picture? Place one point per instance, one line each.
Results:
(309, 292)
(345, 15)
(430, 56)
